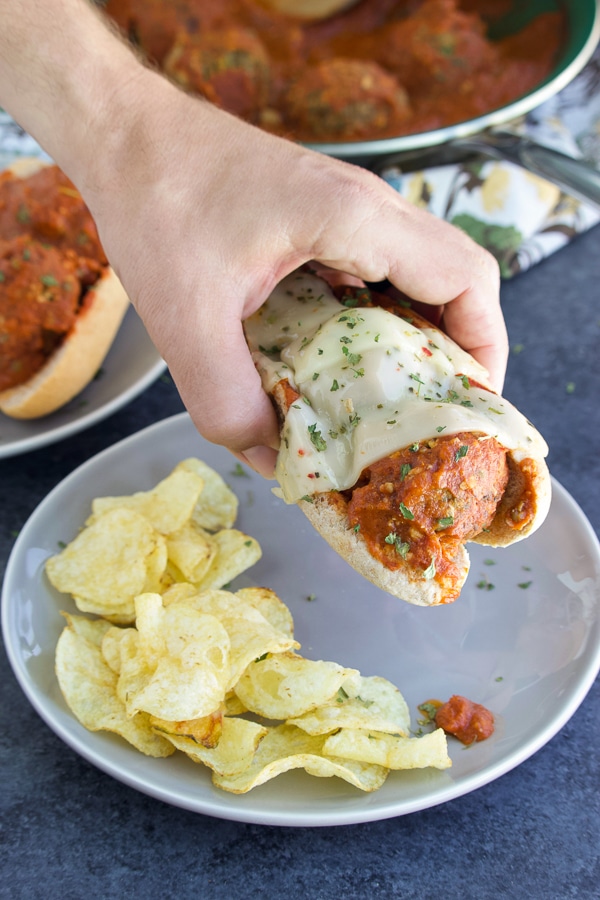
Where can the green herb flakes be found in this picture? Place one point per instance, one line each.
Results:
(317, 438)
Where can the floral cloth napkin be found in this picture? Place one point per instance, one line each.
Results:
(518, 216)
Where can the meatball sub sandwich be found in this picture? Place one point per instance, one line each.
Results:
(393, 442)
(61, 304)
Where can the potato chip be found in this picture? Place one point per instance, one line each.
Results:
(217, 505)
(108, 563)
(89, 688)
(168, 506)
(285, 747)
(181, 590)
(206, 731)
(272, 608)
(233, 705)
(93, 630)
(156, 564)
(285, 685)
(235, 552)
(192, 550)
(178, 667)
(391, 751)
(234, 752)
(111, 646)
(362, 702)
(250, 635)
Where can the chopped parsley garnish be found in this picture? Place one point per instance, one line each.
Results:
(485, 585)
(404, 470)
(238, 470)
(446, 521)
(406, 511)
(317, 438)
(334, 385)
(402, 547)
(462, 451)
(353, 358)
(429, 572)
(48, 280)
(429, 710)
(270, 351)
(524, 584)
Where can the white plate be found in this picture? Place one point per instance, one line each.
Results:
(528, 653)
(131, 365)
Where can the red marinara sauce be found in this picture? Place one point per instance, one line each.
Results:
(468, 721)
(50, 254)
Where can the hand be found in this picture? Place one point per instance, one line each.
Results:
(201, 215)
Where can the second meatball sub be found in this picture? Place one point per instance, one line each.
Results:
(392, 441)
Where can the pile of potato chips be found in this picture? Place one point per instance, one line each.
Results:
(177, 662)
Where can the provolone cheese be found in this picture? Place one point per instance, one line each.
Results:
(370, 383)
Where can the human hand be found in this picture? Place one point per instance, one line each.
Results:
(201, 215)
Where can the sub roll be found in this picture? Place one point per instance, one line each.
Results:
(393, 442)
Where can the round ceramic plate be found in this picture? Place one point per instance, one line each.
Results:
(131, 365)
(523, 638)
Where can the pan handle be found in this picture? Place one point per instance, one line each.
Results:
(574, 176)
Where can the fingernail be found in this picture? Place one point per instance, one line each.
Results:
(261, 459)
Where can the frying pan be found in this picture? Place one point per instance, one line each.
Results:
(583, 34)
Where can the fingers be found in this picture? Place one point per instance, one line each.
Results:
(430, 261)
(221, 389)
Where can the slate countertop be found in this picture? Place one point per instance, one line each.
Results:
(70, 831)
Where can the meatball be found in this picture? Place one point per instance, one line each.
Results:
(438, 46)
(340, 98)
(229, 67)
(154, 24)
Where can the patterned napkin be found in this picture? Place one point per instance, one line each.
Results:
(518, 216)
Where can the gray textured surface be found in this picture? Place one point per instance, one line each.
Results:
(68, 830)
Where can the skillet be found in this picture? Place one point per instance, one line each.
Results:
(583, 33)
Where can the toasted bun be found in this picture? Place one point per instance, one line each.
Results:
(75, 363)
(405, 583)
(328, 517)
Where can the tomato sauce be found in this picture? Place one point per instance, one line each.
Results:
(419, 505)
(49, 255)
(381, 68)
(469, 722)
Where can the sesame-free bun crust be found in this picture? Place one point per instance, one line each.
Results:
(327, 515)
(329, 519)
(75, 363)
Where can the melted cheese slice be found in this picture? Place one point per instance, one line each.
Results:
(370, 383)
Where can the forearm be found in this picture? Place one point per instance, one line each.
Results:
(64, 76)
